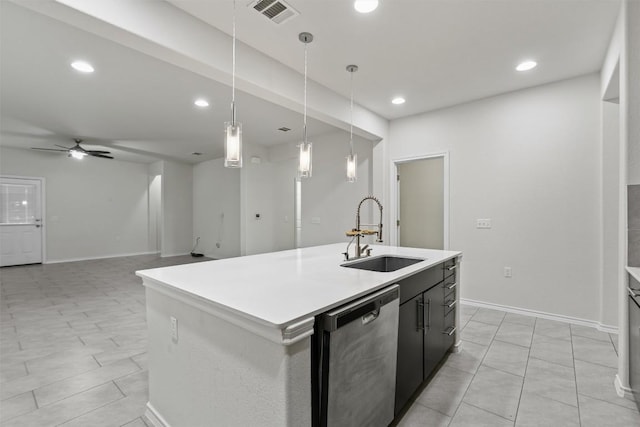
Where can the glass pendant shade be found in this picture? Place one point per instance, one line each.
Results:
(304, 167)
(232, 145)
(352, 167)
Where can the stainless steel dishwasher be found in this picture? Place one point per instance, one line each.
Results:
(356, 351)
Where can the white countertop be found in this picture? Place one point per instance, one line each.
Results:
(635, 272)
(279, 289)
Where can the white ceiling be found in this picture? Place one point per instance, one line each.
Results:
(435, 53)
(138, 107)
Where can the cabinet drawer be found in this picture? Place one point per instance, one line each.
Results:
(450, 267)
(420, 282)
(449, 305)
(449, 287)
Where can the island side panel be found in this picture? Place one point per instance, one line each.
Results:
(457, 346)
(217, 373)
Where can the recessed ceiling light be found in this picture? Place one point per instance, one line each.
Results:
(398, 100)
(365, 6)
(526, 65)
(82, 66)
(201, 103)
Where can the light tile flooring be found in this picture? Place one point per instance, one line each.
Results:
(73, 343)
(73, 353)
(524, 371)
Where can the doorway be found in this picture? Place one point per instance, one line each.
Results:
(21, 222)
(422, 202)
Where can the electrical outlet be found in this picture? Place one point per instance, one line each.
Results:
(507, 272)
(483, 223)
(315, 220)
(173, 328)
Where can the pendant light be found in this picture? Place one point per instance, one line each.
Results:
(352, 158)
(304, 166)
(233, 129)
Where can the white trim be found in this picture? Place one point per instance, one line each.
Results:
(621, 390)
(154, 417)
(393, 236)
(174, 254)
(58, 261)
(550, 316)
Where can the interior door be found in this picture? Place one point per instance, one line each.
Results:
(421, 197)
(20, 221)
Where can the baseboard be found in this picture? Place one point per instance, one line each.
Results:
(176, 254)
(621, 390)
(534, 313)
(154, 417)
(58, 261)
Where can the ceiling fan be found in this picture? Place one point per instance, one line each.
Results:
(77, 152)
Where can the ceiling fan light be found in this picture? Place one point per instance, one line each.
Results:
(76, 154)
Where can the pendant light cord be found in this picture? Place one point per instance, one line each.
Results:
(305, 94)
(233, 69)
(351, 125)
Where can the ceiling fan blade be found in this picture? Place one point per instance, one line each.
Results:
(98, 152)
(66, 148)
(48, 149)
(100, 155)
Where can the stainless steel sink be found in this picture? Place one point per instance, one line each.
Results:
(384, 263)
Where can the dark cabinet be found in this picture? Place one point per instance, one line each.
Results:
(409, 370)
(426, 327)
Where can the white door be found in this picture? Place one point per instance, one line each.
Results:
(20, 221)
(421, 203)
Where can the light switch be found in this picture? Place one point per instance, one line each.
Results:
(173, 328)
(483, 223)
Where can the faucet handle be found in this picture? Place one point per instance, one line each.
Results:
(346, 256)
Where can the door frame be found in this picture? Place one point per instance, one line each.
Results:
(395, 194)
(43, 192)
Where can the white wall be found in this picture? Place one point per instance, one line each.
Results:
(610, 213)
(257, 195)
(326, 197)
(529, 160)
(633, 94)
(177, 208)
(216, 209)
(94, 207)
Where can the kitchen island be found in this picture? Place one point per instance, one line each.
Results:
(229, 340)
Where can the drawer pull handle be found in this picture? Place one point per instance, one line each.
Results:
(634, 292)
(453, 267)
(451, 304)
(450, 331)
(452, 285)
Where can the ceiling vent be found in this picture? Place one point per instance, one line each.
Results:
(277, 11)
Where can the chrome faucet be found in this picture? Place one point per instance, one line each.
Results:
(358, 232)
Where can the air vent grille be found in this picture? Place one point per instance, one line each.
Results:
(277, 11)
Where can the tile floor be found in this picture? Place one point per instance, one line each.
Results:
(73, 342)
(524, 371)
(73, 353)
